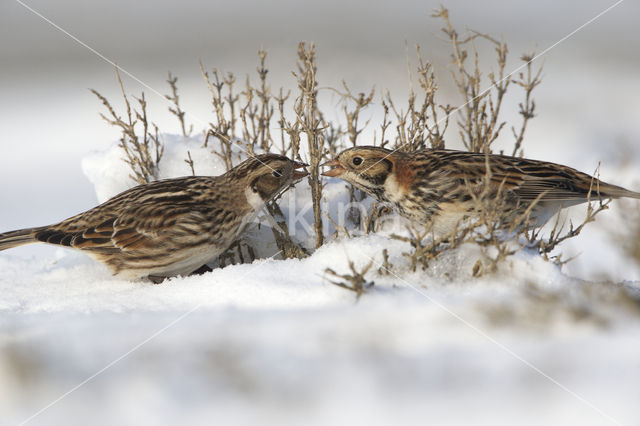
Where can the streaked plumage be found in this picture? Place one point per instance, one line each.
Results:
(169, 227)
(434, 185)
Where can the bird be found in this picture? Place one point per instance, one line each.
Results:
(440, 187)
(170, 227)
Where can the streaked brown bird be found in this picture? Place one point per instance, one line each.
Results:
(169, 227)
(435, 185)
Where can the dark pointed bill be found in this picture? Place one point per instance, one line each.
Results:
(335, 170)
(299, 174)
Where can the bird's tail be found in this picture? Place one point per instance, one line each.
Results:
(613, 191)
(18, 238)
(631, 194)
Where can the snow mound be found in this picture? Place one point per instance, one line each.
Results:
(275, 342)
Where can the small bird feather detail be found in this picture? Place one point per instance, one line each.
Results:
(169, 227)
(436, 185)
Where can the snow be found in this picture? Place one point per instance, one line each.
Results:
(274, 342)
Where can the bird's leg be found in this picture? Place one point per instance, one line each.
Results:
(156, 279)
(202, 270)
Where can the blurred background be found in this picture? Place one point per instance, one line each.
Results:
(322, 358)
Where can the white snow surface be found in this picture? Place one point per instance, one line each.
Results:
(274, 342)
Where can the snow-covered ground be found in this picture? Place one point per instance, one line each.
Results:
(274, 342)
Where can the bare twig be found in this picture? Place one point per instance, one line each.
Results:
(176, 110)
(355, 281)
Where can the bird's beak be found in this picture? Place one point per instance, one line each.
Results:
(299, 174)
(336, 168)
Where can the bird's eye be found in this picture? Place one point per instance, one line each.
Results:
(277, 173)
(357, 161)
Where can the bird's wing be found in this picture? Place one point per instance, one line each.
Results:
(529, 180)
(80, 235)
(552, 182)
(142, 218)
(553, 189)
(182, 216)
(159, 226)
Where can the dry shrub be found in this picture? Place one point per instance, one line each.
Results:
(599, 304)
(499, 231)
(142, 151)
(251, 118)
(354, 281)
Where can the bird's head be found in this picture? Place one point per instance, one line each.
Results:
(268, 174)
(365, 167)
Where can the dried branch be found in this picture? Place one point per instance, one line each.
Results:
(176, 110)
(308, 119)
(142, 152)
(355, 281)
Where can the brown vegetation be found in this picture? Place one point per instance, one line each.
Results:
(252, 118)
